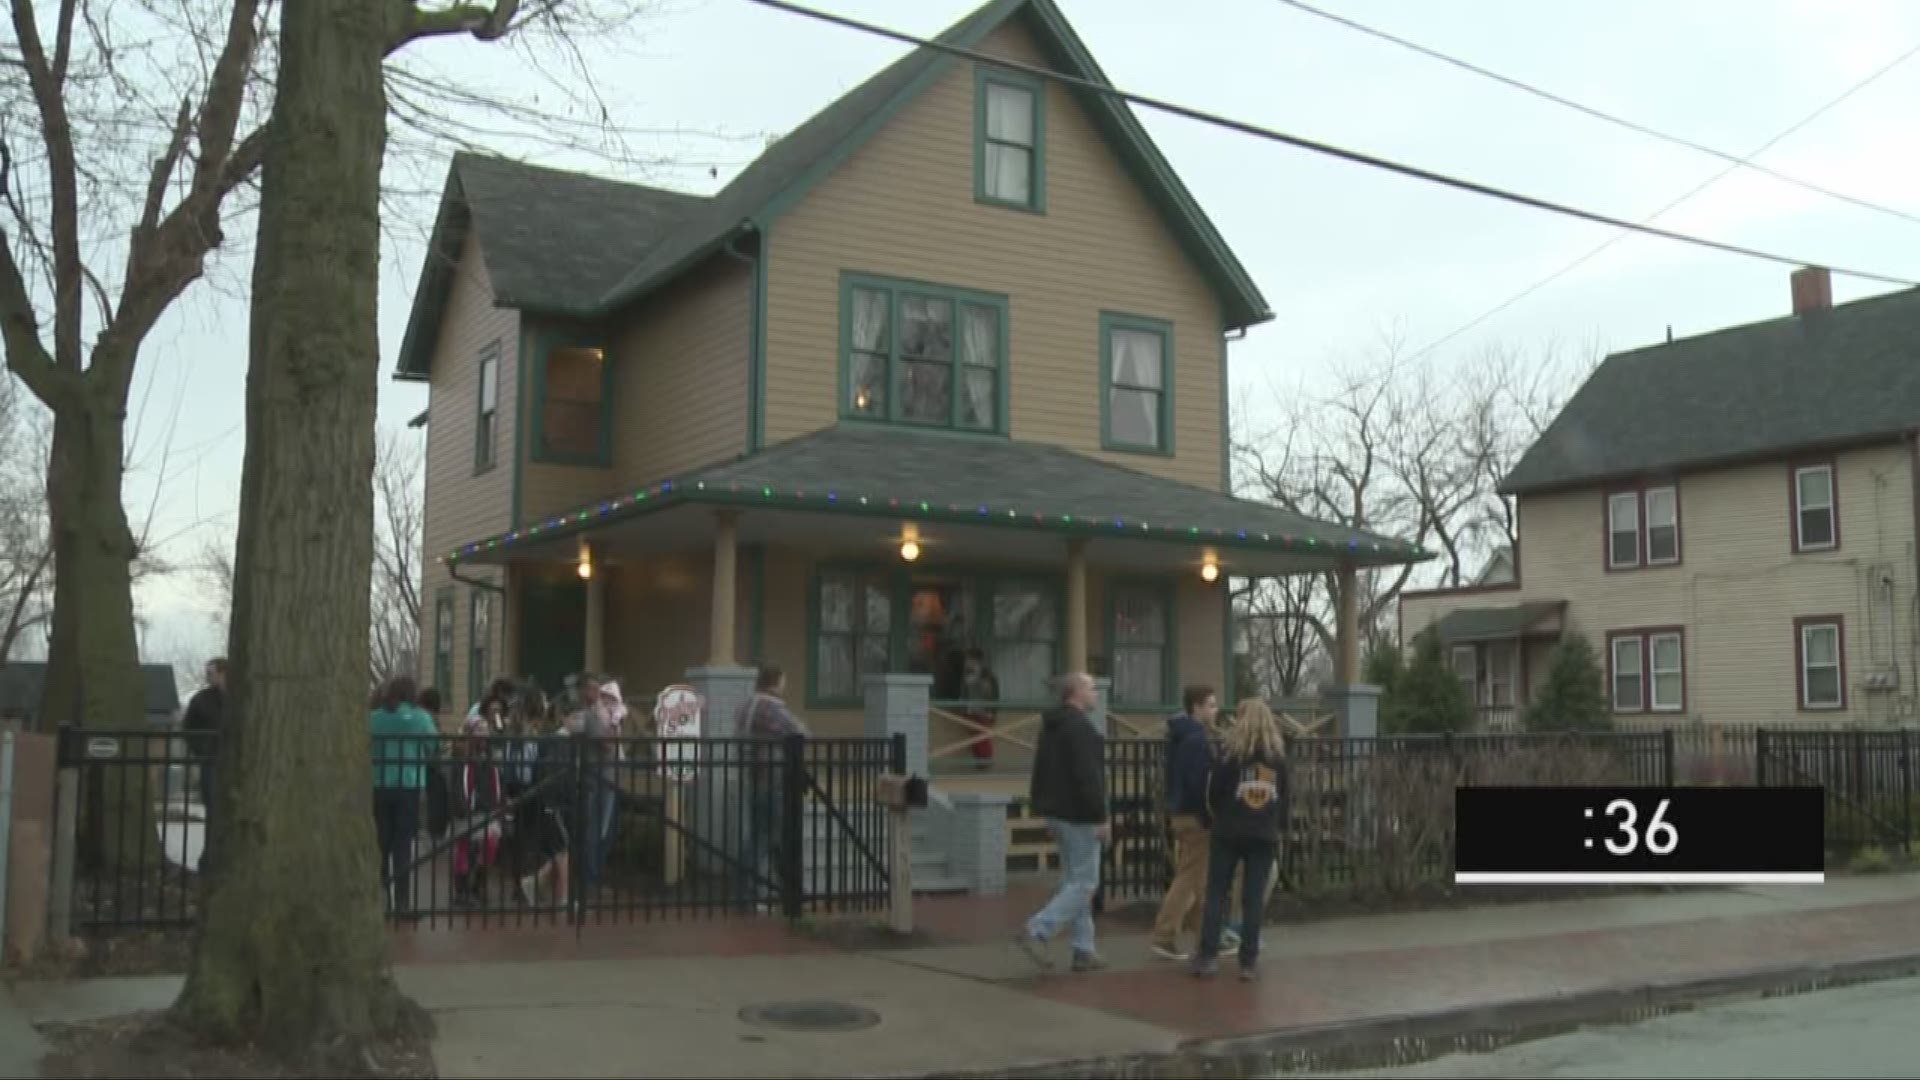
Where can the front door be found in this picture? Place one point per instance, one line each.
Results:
(553, 626)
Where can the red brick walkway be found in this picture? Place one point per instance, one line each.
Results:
(1355, 985)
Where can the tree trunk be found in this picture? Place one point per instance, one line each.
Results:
(93, 662)
(292, 951)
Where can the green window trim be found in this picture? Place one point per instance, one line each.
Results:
(898, 581)
(545, 343)
(897, 292)
(486, 436)
(479, 643)
(443, 640)
(985, 78)
(1167, 592)
(1110, 322)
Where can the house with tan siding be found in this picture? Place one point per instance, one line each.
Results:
(944, 369)
(1729, 519)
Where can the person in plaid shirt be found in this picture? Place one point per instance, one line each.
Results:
(764, 718)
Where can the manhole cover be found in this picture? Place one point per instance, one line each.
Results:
(810, 1016)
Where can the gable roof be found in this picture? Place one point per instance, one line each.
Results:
(544, 258)
(547, 236)
(1846, 376)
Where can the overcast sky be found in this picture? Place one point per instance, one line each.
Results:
(1340, 251)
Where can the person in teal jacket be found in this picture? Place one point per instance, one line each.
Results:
(399, 775)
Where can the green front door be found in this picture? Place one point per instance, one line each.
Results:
(553, 626)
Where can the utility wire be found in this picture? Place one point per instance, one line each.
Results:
(1690, 193)
(1357, 157)
(1618, 121)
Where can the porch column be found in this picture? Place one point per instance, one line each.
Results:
(1076, 657)
(1346, 668)
(726, 548)
(510, 633)
(596, 650)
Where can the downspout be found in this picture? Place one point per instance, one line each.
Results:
(756, 300)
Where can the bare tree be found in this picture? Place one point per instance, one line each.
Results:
(26, 552)
(1507, 400)
(141, 114)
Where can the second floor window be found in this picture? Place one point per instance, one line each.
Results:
(923, 354)
(573, 413)
(1816, 511)
(1137, 394)
(1643, 527)
(486, 426)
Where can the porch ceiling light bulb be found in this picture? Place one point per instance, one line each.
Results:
(586, 568)
(909, 550)
(1210, 571)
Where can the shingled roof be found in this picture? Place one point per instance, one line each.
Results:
(579, 246)
(1849, 375)
(901, 473)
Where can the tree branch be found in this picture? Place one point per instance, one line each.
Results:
(19, 326)
(483, 21)
(57, 133)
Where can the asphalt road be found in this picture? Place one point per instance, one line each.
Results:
(1871, 1030)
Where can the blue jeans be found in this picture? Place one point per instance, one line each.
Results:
(1222, 859)
(1079, 880)
(602, 800)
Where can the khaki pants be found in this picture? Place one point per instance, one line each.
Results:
(1180, 910)
(1186, 895)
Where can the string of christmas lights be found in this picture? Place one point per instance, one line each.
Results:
(668, 492)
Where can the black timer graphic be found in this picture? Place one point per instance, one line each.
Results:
(1599, 835)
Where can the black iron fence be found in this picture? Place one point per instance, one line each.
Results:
(494, 830)
(1376, 815)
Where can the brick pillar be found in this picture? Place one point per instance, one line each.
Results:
(977, 841)
(897, 704)
(1357, 708)
(712, 803)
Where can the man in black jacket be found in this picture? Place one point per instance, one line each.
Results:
(205, 715)
(1070, 791)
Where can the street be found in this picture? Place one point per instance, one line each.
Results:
(1858, 1031)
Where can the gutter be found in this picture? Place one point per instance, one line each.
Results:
(453, 571)
(756, 299)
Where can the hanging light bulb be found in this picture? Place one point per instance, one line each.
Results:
(1210, 570)
(909, 549)
(586, 569)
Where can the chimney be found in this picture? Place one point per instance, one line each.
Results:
(1812, 290)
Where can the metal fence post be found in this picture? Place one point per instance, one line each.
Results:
(1760, 757)
(6, 820)
(793, 778)
(1906, 789)
(1666, 757)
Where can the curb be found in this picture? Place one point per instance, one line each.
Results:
(1407, 1038)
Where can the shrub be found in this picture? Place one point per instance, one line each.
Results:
(1571, 696)
(1426, 698)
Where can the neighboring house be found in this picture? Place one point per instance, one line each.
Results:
(944, 368)
(22, 683)
(1499, 569)
(1729, 519)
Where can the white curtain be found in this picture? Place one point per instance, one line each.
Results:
(1009, 143)
(1138, 372)
(979, 343)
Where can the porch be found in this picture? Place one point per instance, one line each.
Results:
(1499, 654)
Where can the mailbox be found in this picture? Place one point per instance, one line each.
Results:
(903, 792)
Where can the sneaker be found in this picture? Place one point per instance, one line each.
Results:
(1035, 949)
(1249, 972)
(1205, 967)
(1168, 952)
(1084, 962)
(1229, 940)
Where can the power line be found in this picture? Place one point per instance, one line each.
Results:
(1355, 156)
(1690, 193)
(1598, 114)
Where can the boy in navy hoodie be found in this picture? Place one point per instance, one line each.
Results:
(1187, 760)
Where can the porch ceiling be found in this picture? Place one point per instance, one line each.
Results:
(965, 497)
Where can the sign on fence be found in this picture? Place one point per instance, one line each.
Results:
(676, 715)
(102, 747)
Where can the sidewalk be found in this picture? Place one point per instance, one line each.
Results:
(663, 1000)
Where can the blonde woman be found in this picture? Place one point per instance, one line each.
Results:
(1247, 812)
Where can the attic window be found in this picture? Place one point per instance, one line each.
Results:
(1009, 140)
(573, 409)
